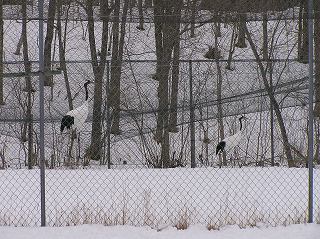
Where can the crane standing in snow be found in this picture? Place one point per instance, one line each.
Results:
(74, 119)
(232, 141)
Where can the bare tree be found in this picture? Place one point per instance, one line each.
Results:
(175, 75)
(48, 41)
(193, 6)
(98, 66)
(231, 49)
(62, 50)
(1, 54)
(273, 100)
(62, 36)
(317, 77)
(303, 33)
(219, 99)
(165, 13)
(116, 63)
(241, 43)
(317, 57)
(28, 88)
(141, 19)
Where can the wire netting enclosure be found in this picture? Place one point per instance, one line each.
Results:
(157, 114)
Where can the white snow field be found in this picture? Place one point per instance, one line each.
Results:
(159, 197)
(301, 231)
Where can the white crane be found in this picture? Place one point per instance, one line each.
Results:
(232, 141)
(75, 118)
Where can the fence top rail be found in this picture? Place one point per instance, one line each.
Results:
(76, 11)
(181, 60)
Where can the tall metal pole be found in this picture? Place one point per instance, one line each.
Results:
(310, 125)
(272, 127)
(192, 128)
(41, 103)
(271, 124)
(266, 58)
(108, 115)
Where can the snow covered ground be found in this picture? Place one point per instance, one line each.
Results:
(301, 231)
(154, 197)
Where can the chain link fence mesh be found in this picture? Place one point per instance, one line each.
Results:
(147, 151)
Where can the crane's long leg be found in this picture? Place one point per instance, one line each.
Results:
(213, 159)
(66, 160)
(69, 163)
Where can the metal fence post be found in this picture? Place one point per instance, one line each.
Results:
(192, 128)
(310, 125)
(272, 125)
(108, 115)
(41, 103)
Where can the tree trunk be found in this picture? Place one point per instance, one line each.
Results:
(98, 71)
(193, 17)
(164, 47)
(273, 101)
(114, 90)
(317, 79)
(1, 54)
(231, 50)
(62, 52)
(28, 89)
(265, 38)
(48, 42)
(166, 17)
(317, 58)
(158, 25)
(175, 76)
(219, 99)
(131, 5)
(116, 62)
(18, 47)
(241, 32)
(141, 20)
(303, 32)
(63, 66)
(162, 134)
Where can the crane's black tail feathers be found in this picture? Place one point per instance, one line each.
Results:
(220, 147)
(66, 122)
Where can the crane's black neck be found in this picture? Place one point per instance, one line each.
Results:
(240, 120)
(86, 89)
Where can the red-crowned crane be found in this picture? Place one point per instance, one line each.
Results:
(74, 119)
(232, 141)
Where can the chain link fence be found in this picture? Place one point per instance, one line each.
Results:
(219, 138)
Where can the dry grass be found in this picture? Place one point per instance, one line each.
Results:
(146, 215)
(184, 219)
